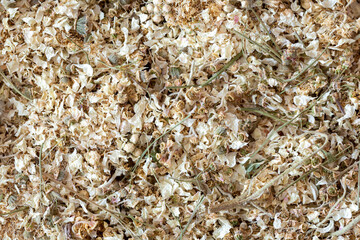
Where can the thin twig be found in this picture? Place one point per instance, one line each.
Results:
(216, 75)
(49, 152)
(157, 180)
(148, 148)
(330, 160)
(9, 156)
(191, 217)
(315, 75)
(264, 113)
(333, 207)
(12, 86)
(306, 68)
(40, 168)
(15, 211)
(347, 227)
(273, 132)
(278, 52)
(184, 86)
(259, 45)
(358, 190)
(238, 201)
(113, 213)
(223, 69)
(81, 49)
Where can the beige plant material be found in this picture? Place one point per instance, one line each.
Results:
(157, 110)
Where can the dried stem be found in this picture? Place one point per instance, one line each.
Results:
(12, 86)
(113, 213)
(333, 207)
(347, 227)
(213, 77)
(358, 190)
(259, 45)
(148, 148)
(15, 211)
(40, 169)
(264, 113)
(315, 75)
(236, 202)
(277, 53)
(191, 217)
(81, 50)
(157, 180)
(330, 160)
(304, 69)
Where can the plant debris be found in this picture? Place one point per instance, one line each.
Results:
(163, 119)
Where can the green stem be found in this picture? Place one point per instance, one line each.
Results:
(12, 86)
(223, 69)
(191, 217)
(213, 77)
(259, 45)
(15, 211)
(148, 148)
(268, 32)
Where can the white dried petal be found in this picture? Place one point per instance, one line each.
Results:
(75, 161)
(224, 229)
(228, 8)
(277, 221)
(49, 53)
(20, 107)
(129, 147)
(326, 229)
(302, 100)
(166, 8)
(328, 3)
(167, 189)
(313, 217)
(134, 138)
(157, 19)
(355, 154)
(149, 8)
(342, 213)
(261, 223)
(228, 159)
(349, 112)
(157, 2)
(92, 157)
(86, 69)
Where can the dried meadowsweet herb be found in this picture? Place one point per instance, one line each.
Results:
(210, 110)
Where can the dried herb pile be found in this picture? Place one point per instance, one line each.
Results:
(190, 119)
